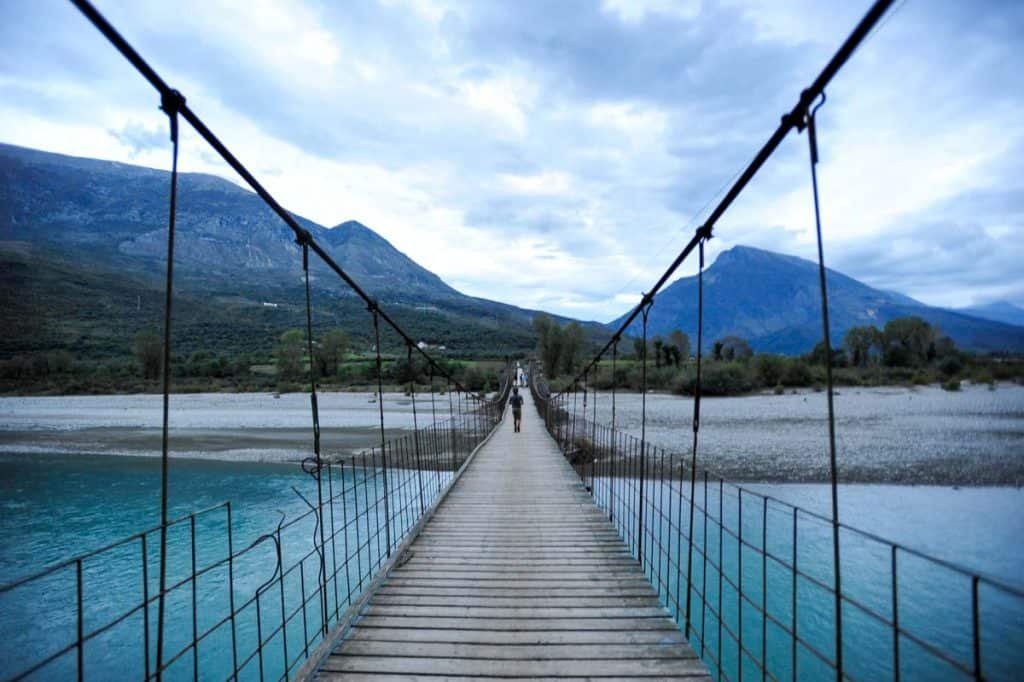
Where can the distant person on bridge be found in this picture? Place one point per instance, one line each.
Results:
(516, 401)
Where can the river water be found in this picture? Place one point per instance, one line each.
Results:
(77, 473)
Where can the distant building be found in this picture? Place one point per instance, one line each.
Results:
(422, 345)
(268, 304)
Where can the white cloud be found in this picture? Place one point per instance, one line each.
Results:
(552, 155)
(635, 11)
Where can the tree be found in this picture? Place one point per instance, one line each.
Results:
(288, 354)
(638, 348)
(716, 351)
(659, 343)
(331, 351)
(572, 346)
(681, 341)
(733, 348)
(907, 341)
(861, 344)
(549, 343)
(818, 356)
(148, 350)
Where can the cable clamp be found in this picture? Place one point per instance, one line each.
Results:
(312, 465)
(303, 237)
(704, 232)
(171, 103)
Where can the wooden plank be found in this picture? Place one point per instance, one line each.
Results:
(388, 598)
(531, 612)
(523, 624)
(547, 590)
(621, 637)
(401, 665)
(375, 677)
(517, 652)
(517, 575)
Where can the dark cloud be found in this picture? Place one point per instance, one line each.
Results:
(648, 119)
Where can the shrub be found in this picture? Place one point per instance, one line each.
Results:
(717, 378)
(797, 374)
(769, 369)
(952, 385)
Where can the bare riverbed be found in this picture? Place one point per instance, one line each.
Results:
(223, 426)
(920, 435)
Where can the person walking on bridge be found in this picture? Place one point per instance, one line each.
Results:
(516, 401)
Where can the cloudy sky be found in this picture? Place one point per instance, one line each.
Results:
(558, 154)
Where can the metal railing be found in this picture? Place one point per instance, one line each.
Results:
(268, 602)
(749, 577)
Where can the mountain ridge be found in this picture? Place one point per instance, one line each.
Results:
(63, 215)
(788, 319)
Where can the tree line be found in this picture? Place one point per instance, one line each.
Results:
(905, 351)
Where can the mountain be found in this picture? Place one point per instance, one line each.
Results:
(999, 311)
(773, 301)
(82, 260)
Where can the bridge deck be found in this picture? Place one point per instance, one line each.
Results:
(517, 575)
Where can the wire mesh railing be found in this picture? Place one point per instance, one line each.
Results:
(161, 584)
(750, 577)
(237, 608)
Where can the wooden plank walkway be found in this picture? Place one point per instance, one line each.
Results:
(517, 575)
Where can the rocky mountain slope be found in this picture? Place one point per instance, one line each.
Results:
(773, 301)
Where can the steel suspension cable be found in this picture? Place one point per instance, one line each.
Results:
(415, 425)
(171, 103)
(643, 434)
(433, 432)
(792, 119)
(593, 436)
(315, 467)
(696, 429)
(812, 142)
(615, 358)
(383, 442)
(586, 387)
(451, 422)
(181, 108)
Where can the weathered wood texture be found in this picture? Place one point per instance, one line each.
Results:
(518, 575)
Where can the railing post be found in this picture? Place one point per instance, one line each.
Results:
(80, 622)
(976, 628)
(739, 591)
(231, 593)
(195, 615)
(145, 602)
(764, 589)
(895, 616)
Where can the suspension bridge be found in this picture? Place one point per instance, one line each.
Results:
(464, 549)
